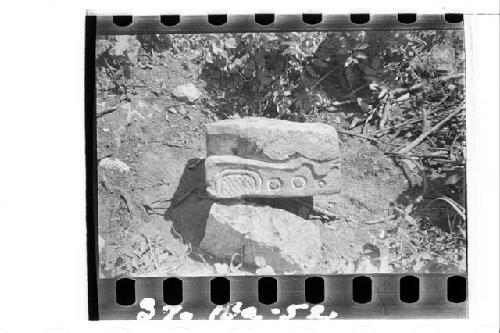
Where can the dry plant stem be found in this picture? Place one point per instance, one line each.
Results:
(367, 120)
(456, 206)
(358, 135)
(436, 154)
(385, 113)
(382, 220)
(102, 113)
(351, 94)
(426, 134)
(183, 197)
(104, 182)
(450, 77)
(322, 78)
(425, 121)
(203, 259)
(413, 121)
(380, 132)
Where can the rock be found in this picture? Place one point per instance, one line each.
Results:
(266, 270)
(101, 243)
(234, 177)
(187, 92)
(263, 157)
(114, 164)
(262, 234)
(272, 139)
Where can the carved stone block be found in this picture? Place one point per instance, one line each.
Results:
(260, 157)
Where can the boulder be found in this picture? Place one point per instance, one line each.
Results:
(263, 236)
(261, 157)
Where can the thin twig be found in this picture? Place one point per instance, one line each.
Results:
(406, 123)
(426, 134)
(382, 220)
(436, 154)
(385, 113)
(425, 120)
(104, 112)
(183, 197)
(125, 197)
(322, 78)
(449, 77)
(351, 94)
(367, 120)
(413, 121)
(104, 182)
(358, 135)
(173, 145)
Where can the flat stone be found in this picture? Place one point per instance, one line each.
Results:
(261, 157)
(263, 236)
(236, 177)
(272, 140)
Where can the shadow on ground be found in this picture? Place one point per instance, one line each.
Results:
(190, 204)
(438, 212)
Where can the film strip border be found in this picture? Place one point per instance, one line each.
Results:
(273, 23)
(285, 297)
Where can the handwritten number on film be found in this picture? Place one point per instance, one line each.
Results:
(230, 311)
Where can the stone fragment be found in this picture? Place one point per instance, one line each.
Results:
(260, 157)
(272, 140)
(284, 241)
(114, 164)
(187, 92)
(235, 177)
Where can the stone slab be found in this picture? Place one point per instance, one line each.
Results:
(272, 140)
(261, 157)
(235, 177)
(262, 236)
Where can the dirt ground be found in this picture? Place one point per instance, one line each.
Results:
(152, 205)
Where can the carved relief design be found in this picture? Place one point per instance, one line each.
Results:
(274, 184)
(299, 182)
(234, 183)
(234, 177)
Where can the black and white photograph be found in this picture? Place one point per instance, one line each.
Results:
(281, 153)
(223, 166)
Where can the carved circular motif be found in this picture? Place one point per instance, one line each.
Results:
(274, 184)
(299, 182)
